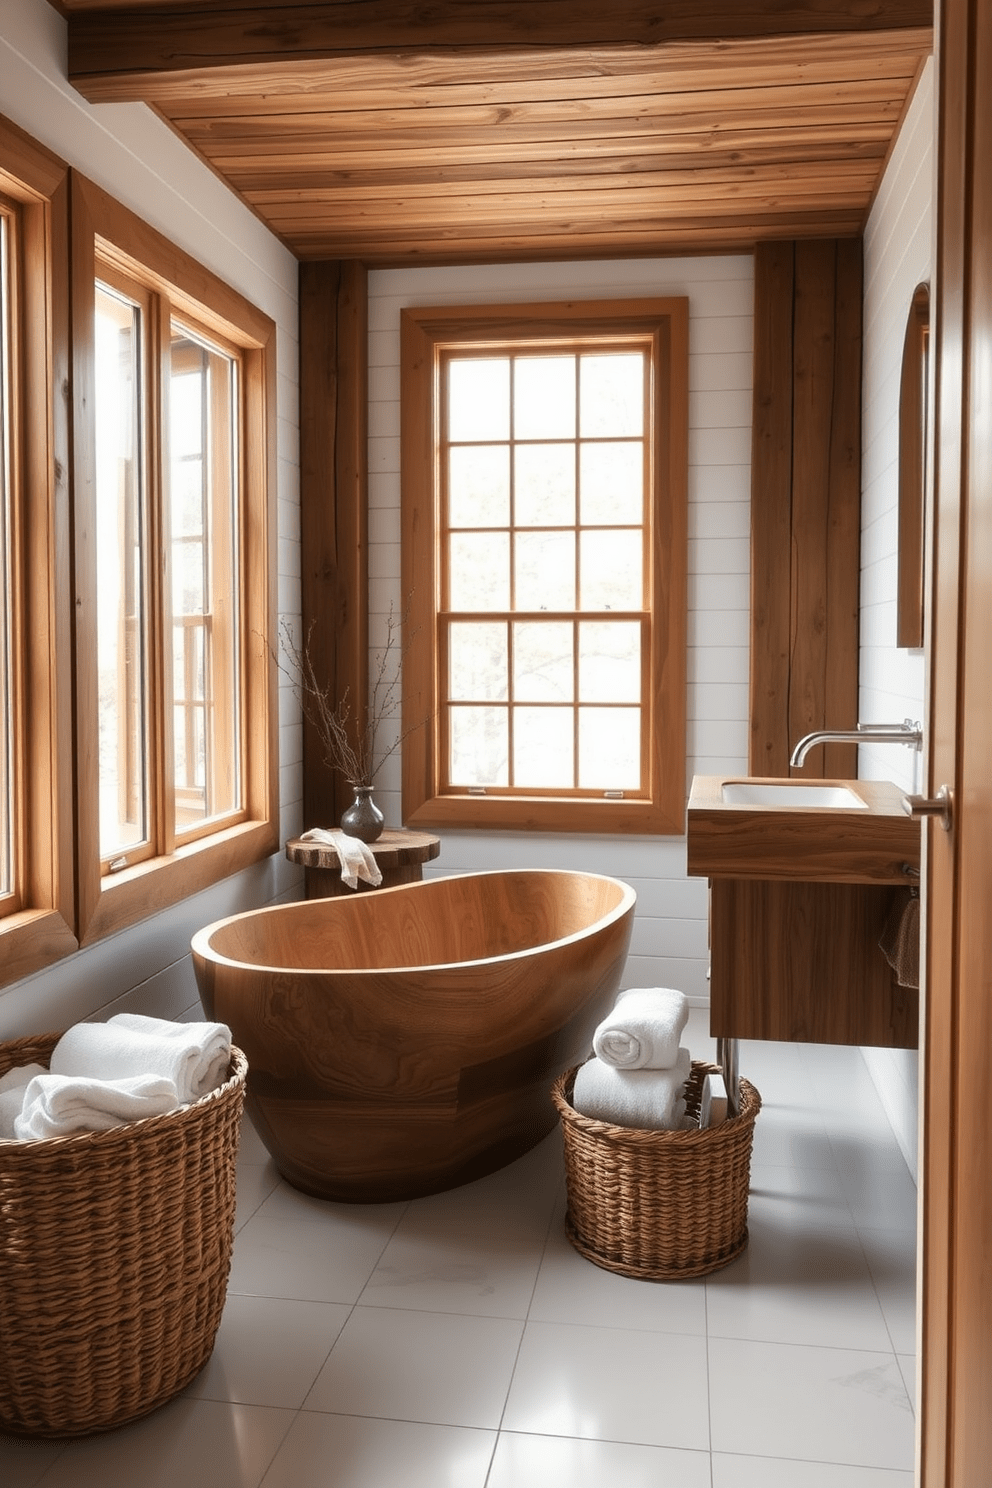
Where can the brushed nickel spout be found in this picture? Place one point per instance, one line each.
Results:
(908, 732)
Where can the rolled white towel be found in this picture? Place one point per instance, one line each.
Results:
(57, 1105)
(651, 1099)
(194, 1056)
(12, 1087)
(643, 1030)
(356, 857)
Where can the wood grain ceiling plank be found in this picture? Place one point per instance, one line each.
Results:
(114, 47)
(394, 82)
(568, 239)
(292, 172)
(388, 130)
(560, 214)
(798, 179)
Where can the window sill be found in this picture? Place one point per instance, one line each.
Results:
(546, 814)
(31, 940)
(158, 883)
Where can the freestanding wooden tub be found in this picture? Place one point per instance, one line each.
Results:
(406, 1041)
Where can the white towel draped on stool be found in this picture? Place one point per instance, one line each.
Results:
(57, 1105)
(651, 1099)
(643, 1030)
(194, 1056)
(357, 859)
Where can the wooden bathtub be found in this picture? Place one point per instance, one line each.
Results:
(405, 1041)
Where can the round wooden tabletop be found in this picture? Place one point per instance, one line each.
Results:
(396, 848)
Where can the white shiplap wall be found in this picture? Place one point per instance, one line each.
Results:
(898, 256)
(127, 150)
(670, 934)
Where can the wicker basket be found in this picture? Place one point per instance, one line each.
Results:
(658, 1205)
(115, 1249)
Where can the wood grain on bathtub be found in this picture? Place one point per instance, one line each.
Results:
(406, 1041)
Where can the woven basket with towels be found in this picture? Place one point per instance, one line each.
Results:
(115, 1249)
(658, 1205)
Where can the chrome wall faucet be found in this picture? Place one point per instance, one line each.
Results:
(908, 732)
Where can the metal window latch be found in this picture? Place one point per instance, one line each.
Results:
(941, 806)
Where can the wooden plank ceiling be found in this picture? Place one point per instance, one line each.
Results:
(481, 129)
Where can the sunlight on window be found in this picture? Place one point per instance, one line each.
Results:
(546, 464)
(206, 682)
(121, 559)
(6, 577)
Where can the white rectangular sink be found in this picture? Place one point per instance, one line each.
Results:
(787, 793)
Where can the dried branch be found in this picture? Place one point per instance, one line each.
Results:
(359, 761)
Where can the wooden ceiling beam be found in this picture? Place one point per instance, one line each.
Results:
(117, 50)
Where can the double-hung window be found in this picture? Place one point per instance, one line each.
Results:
(173, 571)
(544, 475)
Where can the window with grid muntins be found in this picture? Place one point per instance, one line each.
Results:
(543, 496)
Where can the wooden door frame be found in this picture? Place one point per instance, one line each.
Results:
(955, 1421)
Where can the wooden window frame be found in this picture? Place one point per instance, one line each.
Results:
(426, 335)
(37, 923)
(105, 232)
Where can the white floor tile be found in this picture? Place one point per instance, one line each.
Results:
(269, 1350)
(891, 1256)
(611, 1385)
(907, 1365)
(328, 1261)
(792, 1198)
(769, 1472)
(556, 1461)
(571, 1289)
(802, 1286)
(256, 1181)
(440, 1368)
(880, 1200)
(515, 1203)
(23, 1461)
(488, 1277)
(349, 1452)
(815, 1404)
(196, 1443)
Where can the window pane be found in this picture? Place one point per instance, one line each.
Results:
(543, 664)
(120, 562)
(544, 571)
(611, 395)
(611, 573)
(479, 486)
(609, 748)
(543, 748)
(479, 398)
(478, 746)
(479, 571)
(609, 662)
(204, 491)
(6, 580)
(544, 485)
(477, 662)
(544, 397)
(611, 484)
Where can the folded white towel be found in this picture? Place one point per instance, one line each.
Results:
(12, 1087)
(194, 1056)
(357, 858)
(648, 1098)
(56, 1105)
(643, 1030)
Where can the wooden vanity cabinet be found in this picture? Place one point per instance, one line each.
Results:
(801, 962)
(798, 901)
